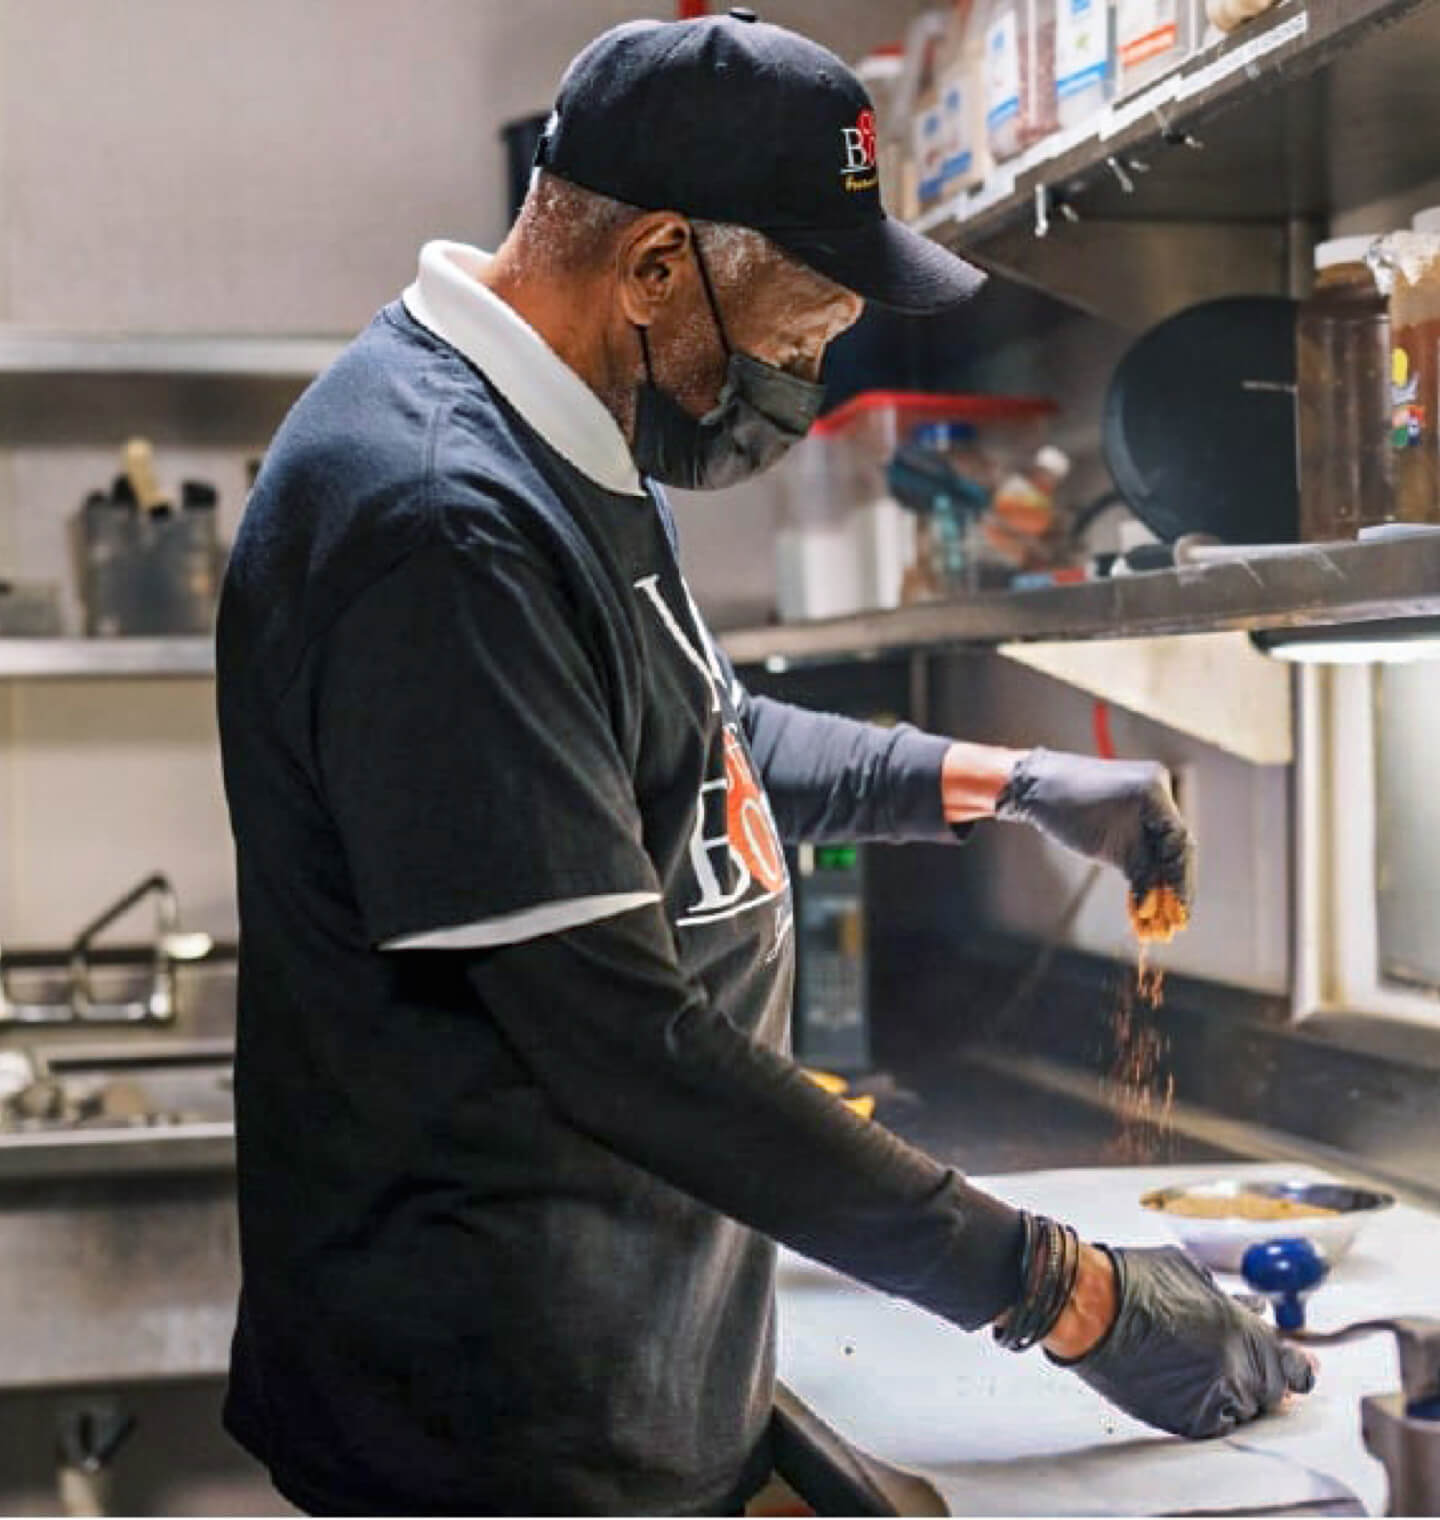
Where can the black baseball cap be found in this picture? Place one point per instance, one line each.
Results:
(730, 119)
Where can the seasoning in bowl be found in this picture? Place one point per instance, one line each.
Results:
(1235, 1206)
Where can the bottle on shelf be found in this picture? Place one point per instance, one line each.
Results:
(1084, 58)
(1019, 74)
(1343, 399)
(1406, 266)
(1151, 38)
(1022, 525)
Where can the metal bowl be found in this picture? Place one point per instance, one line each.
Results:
(1221, 1243)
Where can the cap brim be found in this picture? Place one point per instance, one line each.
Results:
(887, 263)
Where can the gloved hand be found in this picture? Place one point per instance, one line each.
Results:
(1120, 812)
(1184, 1356)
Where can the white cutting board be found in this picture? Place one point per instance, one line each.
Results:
(1000, 1434)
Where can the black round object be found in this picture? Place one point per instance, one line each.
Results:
(1199, 428)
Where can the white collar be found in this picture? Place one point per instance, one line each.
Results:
(448, 299)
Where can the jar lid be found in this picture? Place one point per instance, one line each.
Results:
(1426, 221)
(1346, 250)
(1053, 461)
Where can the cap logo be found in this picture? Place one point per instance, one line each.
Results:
(858, 170)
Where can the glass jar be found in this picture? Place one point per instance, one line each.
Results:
(1343, 399)
(1407, 271)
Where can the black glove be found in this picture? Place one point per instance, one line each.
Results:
(1184, 1356)
(1120, 812)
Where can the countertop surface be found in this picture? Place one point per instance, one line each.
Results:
(994, 1433)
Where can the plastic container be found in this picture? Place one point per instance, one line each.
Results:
(1406, 266)
(844, 542)
(1343, 399)
(1151, 38)
(956, 485)
(1084, 58)
(1020, 103)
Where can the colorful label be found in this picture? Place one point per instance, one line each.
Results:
(1002, 70)
(1082, 46)
(1407, 415)
(1146, 29)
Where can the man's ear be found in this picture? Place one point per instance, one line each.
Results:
(650, 262)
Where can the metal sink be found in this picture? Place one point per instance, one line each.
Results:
(122, 1106)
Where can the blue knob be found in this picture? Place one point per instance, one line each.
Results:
(1285, 1271)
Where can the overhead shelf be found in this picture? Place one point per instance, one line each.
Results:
(39, 353)
(1313, 585)
(1273, 133)
(81, 659)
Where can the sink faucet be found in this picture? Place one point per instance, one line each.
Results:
(171, 947)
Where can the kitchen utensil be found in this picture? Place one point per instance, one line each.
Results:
(140, 472)
(1285, 1272)
(1199, 423)
(1221, 1243)
(146, 568)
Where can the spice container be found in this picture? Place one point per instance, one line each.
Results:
(1084, 58)
(1151, 38)
(1406, 266)
(1019, 74)
(1343, 401)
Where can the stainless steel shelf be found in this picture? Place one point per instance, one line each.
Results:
(75, 659)
(41, 353)
(1284, 135)
(1314, 585)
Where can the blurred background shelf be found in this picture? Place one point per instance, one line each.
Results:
(1307, 113)
(1312, 586)
(280, 357)
(75, 659)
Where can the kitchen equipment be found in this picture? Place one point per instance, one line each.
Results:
(1199, 423)
(1286, 1272)
(145, 567)
(831, 1013)
(1221, 1242)
(1401, 1430)
(29, 610)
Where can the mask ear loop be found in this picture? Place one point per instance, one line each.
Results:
(710, 293)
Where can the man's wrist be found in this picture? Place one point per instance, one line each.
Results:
(972, 778)
(1087, 1317)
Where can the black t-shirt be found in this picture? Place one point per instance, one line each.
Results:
(512, 1102)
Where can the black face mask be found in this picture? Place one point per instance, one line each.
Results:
(762, 412)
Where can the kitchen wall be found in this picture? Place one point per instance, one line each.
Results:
(194, 166)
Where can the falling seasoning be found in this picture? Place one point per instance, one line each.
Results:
(1141, 1085)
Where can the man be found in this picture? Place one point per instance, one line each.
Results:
(516, 1124)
